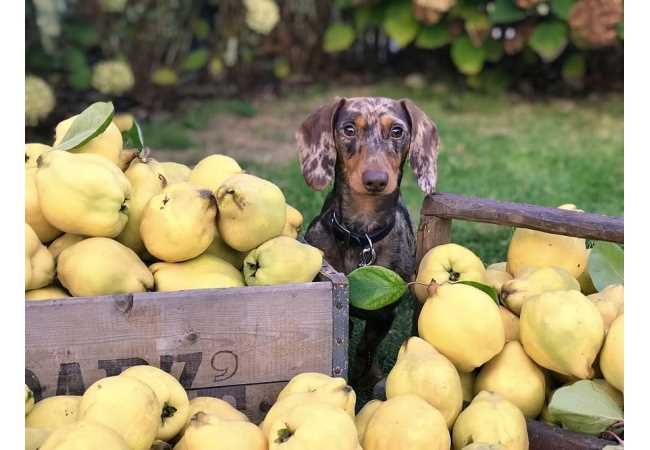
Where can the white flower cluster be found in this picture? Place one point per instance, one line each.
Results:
(39, 100)
(112, 77)
(262, 15)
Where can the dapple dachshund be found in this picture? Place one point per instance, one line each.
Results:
(363, 142)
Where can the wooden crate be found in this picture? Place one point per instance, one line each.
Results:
(240, 344)
(438, 211)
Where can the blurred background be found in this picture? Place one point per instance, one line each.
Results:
(527, 94)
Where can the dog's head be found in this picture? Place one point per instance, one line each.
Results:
(369, 138)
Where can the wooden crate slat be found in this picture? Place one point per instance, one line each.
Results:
(552, 220)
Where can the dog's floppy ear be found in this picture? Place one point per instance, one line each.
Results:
(424, 147)
(316, 147)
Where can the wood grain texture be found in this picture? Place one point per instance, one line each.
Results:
(552, 220)
(432, 231)
(542, 436)
(206, 338)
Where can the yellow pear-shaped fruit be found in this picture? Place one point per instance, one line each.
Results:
(35, 438)
(85, 435)
(213, 170)
(532, 248)
(221, 250)
(175, 172)
(102, 266)
(493, 419)
(123, 121)
(510, 324)
(344, 398)
(251, 211)
(127, 406)
(586, 283)
(213, 407)
(611, 357)
(361, 420)
(33, 215)
(464, 324)
(430, 376)
(293, 224)
(39, 263)
(610, 303)
(282, 260)
(313, 382)
(174, 404)
(46, 293)
(313, 426)
(127, 155)
(146, 181)
(496, 276)
(179, 223)
(62, 242)
(447, 262)
(107, 144)
(208, 432)
(516, 377)
(82, 193)
(406, 422)
(29, 400)
(32, 152)
(534, 281)
(484, 446)
(562, 331)
(55, 412)
(202, 272)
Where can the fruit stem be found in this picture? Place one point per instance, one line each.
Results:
(167, 411)
(284, 434)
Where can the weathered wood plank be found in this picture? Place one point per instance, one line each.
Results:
(432, 231)
(552, 220)
(542, 436)
(206, 338)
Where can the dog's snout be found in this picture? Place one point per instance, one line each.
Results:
(375, 180)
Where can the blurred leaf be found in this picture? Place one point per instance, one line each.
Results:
(83, 34)
(90, 123)
(433, 37)
(133, 137)
(584, 407)
(505, 11)
(549, 40)
(400, 24)
(338, 37)
(489, 290)
(619, 30)
(364, 17)
(478, 28)
(574, 67)
(342, 4)
(562, 8)
(196, 60)
(79, 73)
(164, 76)
(241, 108)
(468, 58)
(281, 68)
(374, 287)
(201, 29)
(606, 264)
(493, 50)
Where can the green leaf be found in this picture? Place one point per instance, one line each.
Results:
(90, 123)
(133, 137)
(82, 34)
(619, 30)
(79, 72)
(373, 287)
(201, 28)
(196, 60)
(605, 264)
(489, 290)
(549, 40)
(433, 37)
(505, 11)
(466, 57)
(574, 67)
(241, 108)
(493, 50)
(400, 24)
(584, 407)
(338, 37)
(562, 8)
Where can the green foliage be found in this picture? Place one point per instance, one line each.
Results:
(374, 287)
(79, 73)
(133, 137)
(468, 58)
(549, 40)
(338, 37)
(606, 264)
(433, 37)
(493, 50)
(196, 60)
(505, 11)
(91, 122)
(400, 24)
(574, 68)
(562, 8)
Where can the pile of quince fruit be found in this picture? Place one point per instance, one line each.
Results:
(102, 219)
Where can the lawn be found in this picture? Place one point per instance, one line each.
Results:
(546, 152)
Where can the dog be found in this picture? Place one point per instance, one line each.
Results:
(363, 143)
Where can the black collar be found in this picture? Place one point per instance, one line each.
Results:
(352, 238)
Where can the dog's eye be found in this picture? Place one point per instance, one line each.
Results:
(349, 130)
(396, 132)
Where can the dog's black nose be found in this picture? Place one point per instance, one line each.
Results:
(375, 180)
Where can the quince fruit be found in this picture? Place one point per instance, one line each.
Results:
(33, 214)
(496, 276)
(85, 435)
(611, 357)
(209, 432)
(361, 420)
(213, 170)
(293, 224)
(510, 324)
(203, 272)
(39, 263)
(610, 303)
(55, 412)
(221, 250)
(108, 144)
(534, 281)
(175, 172)
(62, 242)
(213, 407)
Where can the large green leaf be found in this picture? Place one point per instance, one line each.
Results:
(133, 137)
(433, 37)
(468, 58)
(562, 8)
(373, 287)
(90, 123)
(489, 290)
(338, 37)
(549, 40)
(196, 60)
(400, 24)
(585, 407)
(505, 11)
(606, 264)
